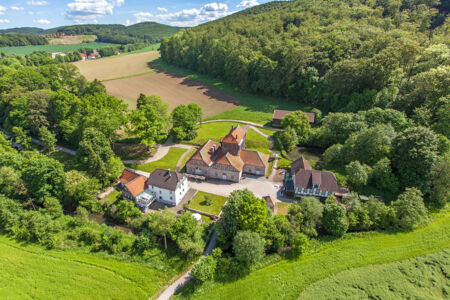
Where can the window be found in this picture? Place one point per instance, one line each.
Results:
(160, 192)
(160, 197)
(171, 198)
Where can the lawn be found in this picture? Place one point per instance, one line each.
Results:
(112, 198)
(424, 277)
(22, 50)
(167, 162)
(258, 142)
(254, 108)
(283, 208)
(31, 272)
(198, 203)
(211, 131)
(328, 256)
(186, 158)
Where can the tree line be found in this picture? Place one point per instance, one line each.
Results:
(341, 56)
(16, 39)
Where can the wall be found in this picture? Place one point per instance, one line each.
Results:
(252, 170)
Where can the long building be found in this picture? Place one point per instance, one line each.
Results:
(229, 159)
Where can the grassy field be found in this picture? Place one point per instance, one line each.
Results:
(327, 256)
(258, 142)
(253, 108)
(283, 208)
(424, 277)
(31, 272)
(73, 39)
(112, 198)
(116, 66)
(198, 203)
(22, 50)
(167, 162)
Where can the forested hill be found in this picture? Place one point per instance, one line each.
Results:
(338, 55)
(19, 39)
(109, 33)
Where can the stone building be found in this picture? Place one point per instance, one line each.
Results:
(229, 159)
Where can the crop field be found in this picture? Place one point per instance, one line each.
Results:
(22, 50)
(130, 75)
(327, 257)
(31, 272)
(116, 67)
(398, 280)
(73, 39)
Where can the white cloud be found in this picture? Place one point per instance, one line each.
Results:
(248, 3)
(192, 17)
(87, 11)
(38, 3)
(42, 21)
(143, 16)
(17, 8)
(162, 9)
(2, 10)
(4, 21)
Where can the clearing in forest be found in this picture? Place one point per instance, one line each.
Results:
(128, 76)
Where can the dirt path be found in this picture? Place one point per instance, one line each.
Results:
(186, 277)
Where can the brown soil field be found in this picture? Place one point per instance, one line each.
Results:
(174, 89)
(128, 76)
(114, 67)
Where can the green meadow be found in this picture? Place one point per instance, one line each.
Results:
(32, 272)
(327, 256)
(167, 162)
(22, 50)
(423, 277)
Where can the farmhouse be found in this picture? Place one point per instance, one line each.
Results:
(278, 115)
(229, 159)
(163, 186)
(302, 180)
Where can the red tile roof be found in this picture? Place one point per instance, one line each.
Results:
(229, 159)
(128, 176)
(254, 158)
(236, 135)
(206, 152)
(280, 114)
(137, 186)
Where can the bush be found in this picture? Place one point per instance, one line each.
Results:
(409, 209)
(334, 220)
(299, 244)
(248, 247)
(205, 269)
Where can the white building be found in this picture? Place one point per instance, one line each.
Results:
(163, 186)
(169, 187)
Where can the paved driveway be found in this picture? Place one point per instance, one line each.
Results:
(260, 186)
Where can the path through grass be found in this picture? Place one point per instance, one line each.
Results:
(167, 162)
(288, 278)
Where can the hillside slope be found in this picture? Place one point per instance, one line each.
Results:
(338, 55)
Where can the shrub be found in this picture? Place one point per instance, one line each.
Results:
(409, 209)
(205, 269)
(248, 247)
(334, 220)
(299, 243)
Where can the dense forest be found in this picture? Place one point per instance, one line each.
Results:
(339, 55)
(16, 39)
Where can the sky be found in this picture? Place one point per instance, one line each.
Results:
(54, 13)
